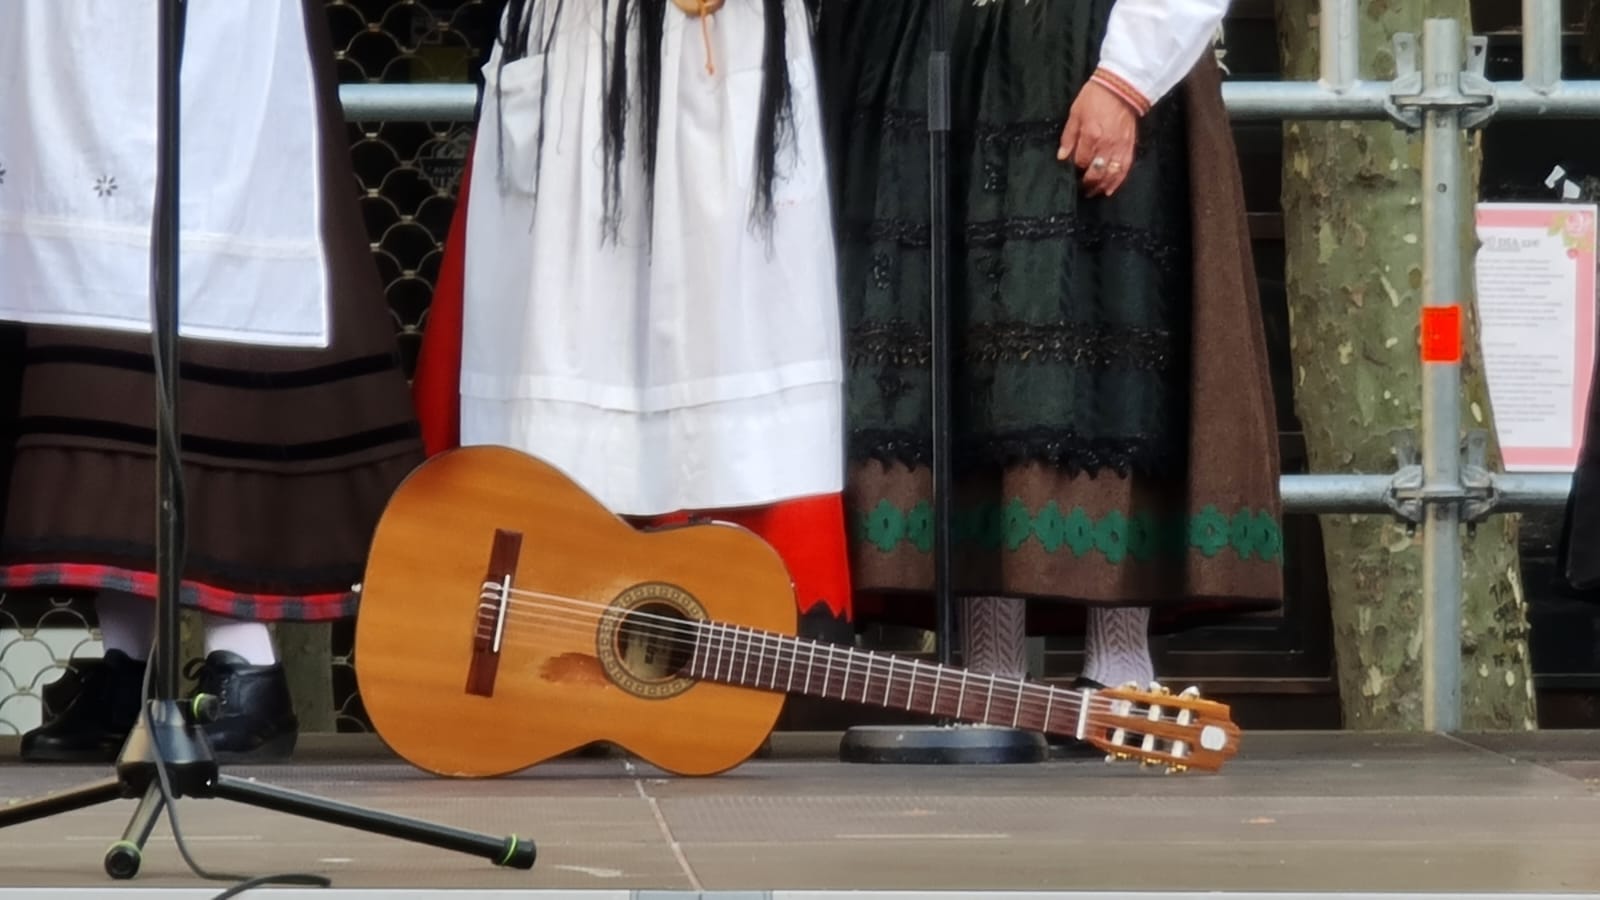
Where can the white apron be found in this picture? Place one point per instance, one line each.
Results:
(78, 169)
(703, 374)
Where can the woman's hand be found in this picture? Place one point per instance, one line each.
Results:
(1099, 138)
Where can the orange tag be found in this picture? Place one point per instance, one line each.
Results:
(1441, 334)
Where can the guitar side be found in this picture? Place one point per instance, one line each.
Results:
(504, 615)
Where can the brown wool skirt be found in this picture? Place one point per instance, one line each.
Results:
(289, 455)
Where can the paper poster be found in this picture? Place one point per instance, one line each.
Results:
(1536, 301)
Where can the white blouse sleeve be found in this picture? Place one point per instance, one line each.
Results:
(1151, 45)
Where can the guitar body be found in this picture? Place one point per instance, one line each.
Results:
(494, 631)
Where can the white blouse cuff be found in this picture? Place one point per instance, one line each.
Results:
(1151, 45)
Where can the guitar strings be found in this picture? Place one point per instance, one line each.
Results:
(686, 633)
(1130, 720)
(771, 673)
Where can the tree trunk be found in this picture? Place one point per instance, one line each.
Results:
(1354, 241)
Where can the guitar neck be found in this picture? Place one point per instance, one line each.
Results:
(761, 660)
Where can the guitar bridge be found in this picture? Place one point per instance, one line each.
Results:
(494, 603)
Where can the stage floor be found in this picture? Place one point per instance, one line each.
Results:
(1323, 812)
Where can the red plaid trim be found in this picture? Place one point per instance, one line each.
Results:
(191, 594)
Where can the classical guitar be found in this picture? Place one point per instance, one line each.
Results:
(507, 618)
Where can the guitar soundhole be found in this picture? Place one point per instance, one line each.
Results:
(655, 642)
(646, 640)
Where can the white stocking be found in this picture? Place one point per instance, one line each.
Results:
(250, 640)
(1117, 646)
(996, 635)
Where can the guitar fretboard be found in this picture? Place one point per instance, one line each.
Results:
(763, 660)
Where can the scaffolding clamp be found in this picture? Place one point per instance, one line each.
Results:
(1482, 494)
(1409, 496)
(1472, 94)
(1405, 488)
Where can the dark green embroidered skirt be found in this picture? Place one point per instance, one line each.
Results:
(1071, 318)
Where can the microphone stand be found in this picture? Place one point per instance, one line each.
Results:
(167, 755)
(947, 742)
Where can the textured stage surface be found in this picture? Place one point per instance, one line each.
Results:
(1293, 813)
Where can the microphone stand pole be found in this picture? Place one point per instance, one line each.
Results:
(947, 742)
(167, 755)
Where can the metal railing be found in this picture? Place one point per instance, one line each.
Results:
(1441, 482)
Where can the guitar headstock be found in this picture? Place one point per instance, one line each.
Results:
(1158, 727)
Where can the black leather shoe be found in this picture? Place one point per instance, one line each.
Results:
(89, 711)
(256, 720)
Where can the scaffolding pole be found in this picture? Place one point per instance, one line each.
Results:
(1541, 46)
(1443, 214)
(1247, 101)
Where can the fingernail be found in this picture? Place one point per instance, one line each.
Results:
(1061, 154)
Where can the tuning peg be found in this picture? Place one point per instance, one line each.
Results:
(1157, 687)
(1177, 769)
(1190, 691)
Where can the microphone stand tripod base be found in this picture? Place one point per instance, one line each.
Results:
(925, 745)
(192, 771)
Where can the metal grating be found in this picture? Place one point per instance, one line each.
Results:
(408, 174)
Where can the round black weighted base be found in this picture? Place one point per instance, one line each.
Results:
(923, 745)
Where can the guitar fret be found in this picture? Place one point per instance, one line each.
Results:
(723, 653)
(888, 682)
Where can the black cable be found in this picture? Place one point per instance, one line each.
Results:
(168, 445)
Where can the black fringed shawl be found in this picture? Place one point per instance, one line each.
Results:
(525, 18)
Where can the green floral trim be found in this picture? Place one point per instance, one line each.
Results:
(1117, 537)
